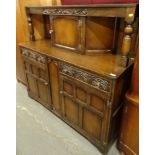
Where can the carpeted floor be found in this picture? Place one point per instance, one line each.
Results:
(39, 132)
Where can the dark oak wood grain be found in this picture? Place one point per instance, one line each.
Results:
(109, 68)
(80, 92)
(37, 78)
(76, 23)
(75, 72)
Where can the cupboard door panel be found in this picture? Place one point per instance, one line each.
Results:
(44, 95)
(28, 67)
(99, 33)
(71, 110)
(83, 106)
(68, 88)
(34, 70)
(68, 36)
(97, 103)
(43, 91)
(92, 124)
(37, 77)
(32, 85)
(43, 74)
(81, 95)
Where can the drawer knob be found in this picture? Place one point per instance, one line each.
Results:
(45, 12)
(50, 31)
(61, 92)
(46, 83)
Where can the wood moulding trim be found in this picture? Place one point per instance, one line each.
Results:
(35, 56)
(84, 10)
(70, 11)
(85, 77)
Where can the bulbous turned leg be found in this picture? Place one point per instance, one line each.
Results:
(126, 44)
(127, 39)
(30, 26)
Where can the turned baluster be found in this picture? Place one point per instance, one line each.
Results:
(30, 27)
(54, 2)
(126, 44)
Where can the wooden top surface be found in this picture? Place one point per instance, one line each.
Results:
(106, 10)
(87, 6)
(104, 64)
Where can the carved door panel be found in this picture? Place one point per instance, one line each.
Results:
(82, 105)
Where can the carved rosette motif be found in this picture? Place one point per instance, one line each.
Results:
(77, 12)
(86, 77)
(35, 56)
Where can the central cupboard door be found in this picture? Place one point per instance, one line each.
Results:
(83, 107)
(66, 32)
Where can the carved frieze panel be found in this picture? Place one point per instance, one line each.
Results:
(35, 56)
(84, 76)
(76, 12)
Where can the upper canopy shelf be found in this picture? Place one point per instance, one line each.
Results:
(126, 11)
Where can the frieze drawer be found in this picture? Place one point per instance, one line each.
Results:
(34, 56)
(91, 79)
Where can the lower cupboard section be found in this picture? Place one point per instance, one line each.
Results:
(88, 102)
(84, 108)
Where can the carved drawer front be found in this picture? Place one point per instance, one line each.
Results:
(83, 106)
(34, 56)
(86, 77)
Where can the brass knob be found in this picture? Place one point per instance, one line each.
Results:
(46, 83)
(61, 92)
(45, 12)
(50, 31)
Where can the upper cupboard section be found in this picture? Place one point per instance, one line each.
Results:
(88, 29)
(83, 34)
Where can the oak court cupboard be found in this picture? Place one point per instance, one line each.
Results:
(75, 71)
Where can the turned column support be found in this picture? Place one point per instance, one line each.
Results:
(54, 2)
(30, 26)
(127, 39)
